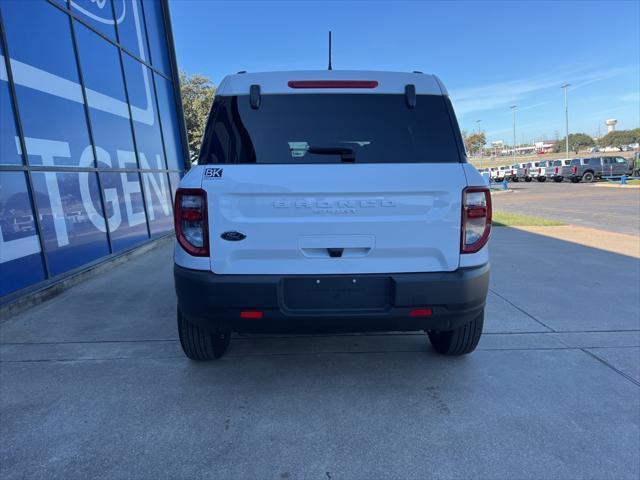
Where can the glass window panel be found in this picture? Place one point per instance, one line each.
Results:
(125, 209)
(9, 146)
(98, 14)
(20, 255)
(157, 36)
(108, 110)
(131, 29)
(174, 180)
(145, 114)
(46, 82)
(73, 227)
(170, 125)
(158, 198)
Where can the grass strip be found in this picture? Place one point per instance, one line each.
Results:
(509, 219)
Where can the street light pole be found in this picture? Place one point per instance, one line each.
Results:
(513, 109)
(480, 147)
(565, 86)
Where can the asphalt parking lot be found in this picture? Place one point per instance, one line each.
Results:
(93, 384)
(589, 205)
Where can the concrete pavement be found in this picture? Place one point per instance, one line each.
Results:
(93, 384)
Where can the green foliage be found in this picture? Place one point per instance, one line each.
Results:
(197, 93)
(473, 142)
(620, 137)
(577, 141)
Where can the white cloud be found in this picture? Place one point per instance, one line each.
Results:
(503, 94)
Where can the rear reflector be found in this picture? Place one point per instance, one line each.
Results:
(332, 84)
(251, 314)
(421, 312)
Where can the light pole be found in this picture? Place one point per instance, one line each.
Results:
(513, 109)
(565, 86)
(480, 147)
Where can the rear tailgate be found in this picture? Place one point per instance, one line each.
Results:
(335, 218)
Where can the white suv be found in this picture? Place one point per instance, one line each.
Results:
(331, 200)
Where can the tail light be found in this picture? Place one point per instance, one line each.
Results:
(574, 170)
(540, 171)
(555, 171)
(192, 229)
(476, 219)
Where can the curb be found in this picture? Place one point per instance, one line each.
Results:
(51, 290)
(613, 185)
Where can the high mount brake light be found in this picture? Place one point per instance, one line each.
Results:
(332, 83)
(191, 223)
(476, 219)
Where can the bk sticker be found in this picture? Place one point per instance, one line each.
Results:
(213, 172)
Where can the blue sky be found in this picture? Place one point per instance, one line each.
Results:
(490, 55)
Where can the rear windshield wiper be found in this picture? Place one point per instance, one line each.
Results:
(346, 153)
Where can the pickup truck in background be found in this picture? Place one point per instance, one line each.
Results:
(589, 169)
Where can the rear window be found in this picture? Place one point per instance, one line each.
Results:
(331, 128)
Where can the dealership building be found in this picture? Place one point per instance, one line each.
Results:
(92, 141)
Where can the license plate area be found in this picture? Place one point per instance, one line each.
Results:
(334, 294)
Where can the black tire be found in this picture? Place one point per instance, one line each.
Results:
(198, 344)
(575, 180)
(528, 179)
(542, 179)
(557, 179)
(515, 179)
(587, 177)
(460, 341)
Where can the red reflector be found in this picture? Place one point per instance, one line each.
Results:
(421, 312)
(191, 215)
(476, 212)
(251, 314)
(332, 83)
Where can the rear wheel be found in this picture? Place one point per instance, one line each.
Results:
(460, 341)
(557, 179)
(198, 344)
(542, 179)
(587, 177)
(528, 179)
(575, 180)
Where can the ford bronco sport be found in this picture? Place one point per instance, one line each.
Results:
(331, 200)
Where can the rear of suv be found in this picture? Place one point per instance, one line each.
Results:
(331, 201)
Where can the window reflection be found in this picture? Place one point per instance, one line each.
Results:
(73, 227)
(20, 257)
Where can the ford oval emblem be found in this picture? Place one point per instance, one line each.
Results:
(233, 236)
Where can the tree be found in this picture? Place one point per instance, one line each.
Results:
(620, 137)
(197, 94)
(473, 142)
(577, 141)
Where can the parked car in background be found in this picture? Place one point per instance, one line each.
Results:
(555, 172)
(542, 170)
(589, 169)
(527, 170)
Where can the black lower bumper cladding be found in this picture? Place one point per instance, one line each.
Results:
(340, 303)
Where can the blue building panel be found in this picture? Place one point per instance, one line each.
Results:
(100, 121)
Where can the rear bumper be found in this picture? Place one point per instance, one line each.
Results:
(214, 302)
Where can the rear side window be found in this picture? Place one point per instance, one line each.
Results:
(331, 128)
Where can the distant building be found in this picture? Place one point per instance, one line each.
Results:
(611, 125)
